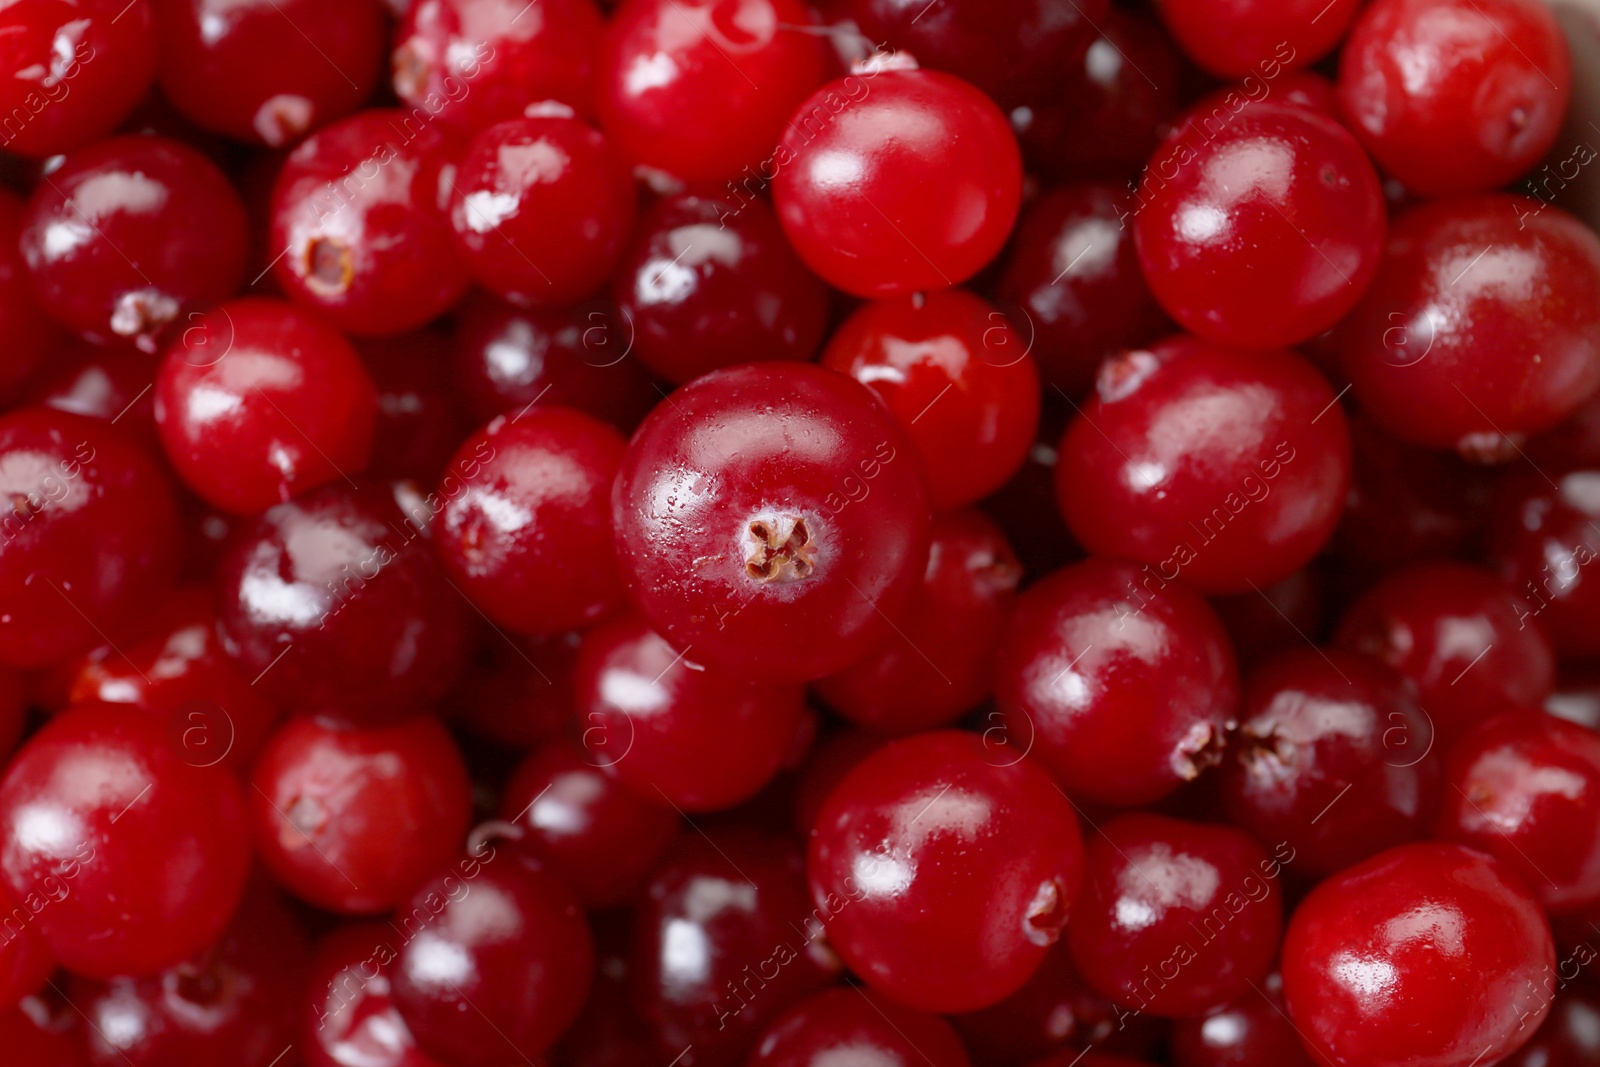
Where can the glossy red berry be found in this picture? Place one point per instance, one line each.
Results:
(1180, 461)
(857, 205)
(25, 960)
(902, 862)
(1570, 1036)
(351, 1020)
(1253, 1031)
(1542, 540)
(769, 518)
(855, 1023)
(1451, 98)
(142, 854)
(1259, 38)
(110, 244)
(30, 335)
(1176, 918)
(1425, 931)
(109, 382)
(1122, 684)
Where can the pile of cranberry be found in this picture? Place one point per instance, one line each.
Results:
(758, 533)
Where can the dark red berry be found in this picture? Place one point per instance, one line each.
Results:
(864, 1026)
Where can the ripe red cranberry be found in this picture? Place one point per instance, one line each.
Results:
(1425, 931)
(44, 1031)
(25, 960)
(724, 941)
(359, 217)
(859, 206)
(707, 283)
(833, 756)
(1542, 540)
(1260, 38)
(496, 961)
(902, 862)
(74, 69)
(1213, 112)
(862, 1026)
(1333, 758)
(333, 607)
(142, 869)
(912, 351)
(1176, 918)
(259, 401)
(1445, 351)
(268, 71)
(1267, 262)
(352, 819)
(351, 1020)
(473, 63)
(88, 538)
(598, 838)
(1460, 636)
(1122, 684)
(540, 208)
(1223, 467)
(656, 719)
(1570, 1036)
(110, 382)
(526, 534)
(1451, 99)
(1075, 274)
(1253, 1031)
(945, 665)
(30, 336)
(110, 244)
(769, 519)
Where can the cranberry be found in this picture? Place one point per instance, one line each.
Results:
(1208, 116)
(30, 336)
(332, 607)
(1452, 100)
(359, 218)
(525, 536)
(44, 1031)
(825, 765)
(1570, 1036)
(75, 68)
(109, 245)
(473, 63)
(1333, 758)
(1576, 441)
(352, 1020)
(770, 519)
(268, 71)
(707, 284)
(858, 206)
(598, 838)
(90, 535)
(1251, 1032)
(903, 861)
(101, 382)
(854, 1023)
(1224, 467)
(420, 419)
(1425, 931)
(141, 855)
(1122, 684)
(1542, 538)
(1176, 918)
(656, 719)
(25, 960)
(1241, 38)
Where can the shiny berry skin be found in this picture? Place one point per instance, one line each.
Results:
(1123, 685)
(1333, 757)
(1570, 1036)
(74, 69)
(473, 63)
(958, 378)
(90, 535)
(945, 665)
(351, 820)
(887, 230)
(861, 1026)
(359, 215)
(1525, 788)
(1453, 99)
(597, 837)
(351, 1020)
(1227, 468)
(1460, 636)
(259, 401)
(1542, 538)
(268, 71)
(25, 960)
(540, 208)
(110, 244)
(333, 606)
(1426, 931)
(1176, 918)
(1253, 1031)
(525, 536)
(1270, 261)
(944, 871)
(44, 1031)
(655, 719)
(501, 963)
(143, 854)
(699, 89)
(30, 336)
(768, 518)
(1236, 38)
(1073, 271)
(1455, 347)
(110, 382)
(708, 283)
